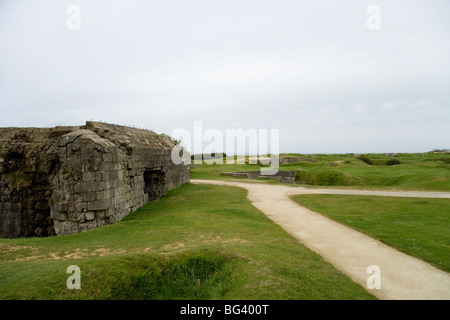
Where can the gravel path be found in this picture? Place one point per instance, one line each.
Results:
(402, 277)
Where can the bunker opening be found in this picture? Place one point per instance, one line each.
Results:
(154, 181)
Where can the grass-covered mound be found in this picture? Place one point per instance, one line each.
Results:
(416, 171)
(416, 226)
(198, 242)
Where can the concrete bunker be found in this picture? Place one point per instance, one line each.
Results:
(279, 176)
(63, 180)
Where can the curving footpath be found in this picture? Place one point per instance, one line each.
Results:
(402, 277)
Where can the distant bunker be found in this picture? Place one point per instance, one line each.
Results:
(289, 160)
(63, 180)
(281, 160)
(279, 176)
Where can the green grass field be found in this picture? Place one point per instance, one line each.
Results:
(416, 226)
(419, 171)
(198, 242)
(209, 242)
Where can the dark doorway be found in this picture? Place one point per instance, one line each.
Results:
(154, 184)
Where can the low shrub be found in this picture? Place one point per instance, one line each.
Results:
(365, 159)
(392, 162)
(327, 178)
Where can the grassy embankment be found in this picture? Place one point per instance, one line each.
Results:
(416, 226)
(208, 242)
(198, 242)
(420, 171)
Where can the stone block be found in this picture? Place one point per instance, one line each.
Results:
(101, 195)
(112, 175)
(87, 225)
(99, 176)
(63, 207)
(78, 198)
(89, 176)
(79, 217)
(89, 215)
(94, 186)
(81, 207)
(109, 166)
(97, 205)
(101, 214)
(89, 196)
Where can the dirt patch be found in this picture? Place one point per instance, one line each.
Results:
(179, 198)
(173, 246)
(203, 240)
(6, 248)
(220, 240)
(76, 254)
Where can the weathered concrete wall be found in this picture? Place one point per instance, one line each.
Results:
(288, 160)
(71, 179)
(279, 176)
(28, 165)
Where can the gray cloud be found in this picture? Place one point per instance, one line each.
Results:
(311, 69)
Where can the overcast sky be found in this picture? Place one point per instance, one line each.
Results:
(312, 69)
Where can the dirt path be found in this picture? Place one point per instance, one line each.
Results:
(402, 276)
